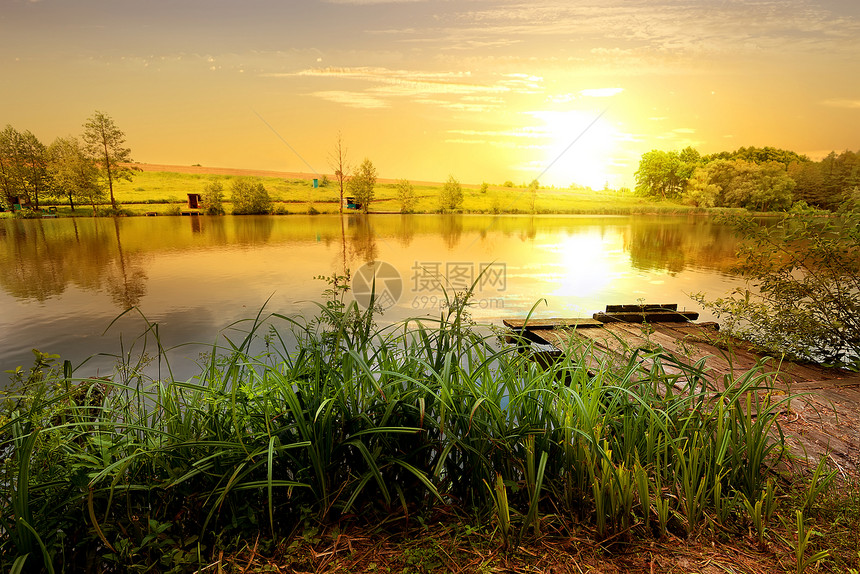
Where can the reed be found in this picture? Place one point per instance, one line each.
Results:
(357, 421)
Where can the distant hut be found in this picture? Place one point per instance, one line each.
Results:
(193, 201)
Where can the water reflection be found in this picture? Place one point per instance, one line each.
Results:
(451, 228)
(363, 238)
(675, 244)
(63, 281)
(126, 279)
(41, 259)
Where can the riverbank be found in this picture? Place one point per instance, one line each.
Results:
(162, 190)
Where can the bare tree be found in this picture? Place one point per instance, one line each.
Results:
(338, 162)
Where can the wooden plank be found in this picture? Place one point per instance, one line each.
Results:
(693, 334)
(550, 323)
(847, 382)
(824, 420)
(640, 308)
(647, 317)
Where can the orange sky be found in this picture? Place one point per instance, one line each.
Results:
(562, 91)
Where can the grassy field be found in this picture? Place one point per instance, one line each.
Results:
(160, 192)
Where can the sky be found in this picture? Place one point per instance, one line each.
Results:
(563, 91)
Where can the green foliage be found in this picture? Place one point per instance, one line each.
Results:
(700, 191)
(356, 420)
(212, 198)
(406, 196)
(249, 197)
(105, 143)
(664, 174)
(361, 184)
(23, 168)
(828, 183)
(451, 195)
(803, 294)
(485, 187)
(739, 183)
(73, 173)
(762, 155)
(801, 544)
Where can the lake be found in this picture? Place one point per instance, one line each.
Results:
(64, 281)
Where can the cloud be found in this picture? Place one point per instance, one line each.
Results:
(450, 90)
(667, 30)
(842, 103)
(352, 99)
(601, 92)
(528, 132)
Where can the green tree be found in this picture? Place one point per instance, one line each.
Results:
(485, 187)
(8, 181)
(803, 288)
(105, 143)
(664, 174)
(759, 155)
(74, 173)
(361, 184)
(10, 169)
(740, 183)
(212, 199)
(250, 198)
(23, 167)
(406, 196)
(451, 196)
(700, 191)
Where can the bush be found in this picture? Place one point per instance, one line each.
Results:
(406, 196)
(803, 288)
(451, 196)
(212, 199)
(112, 212)
(361, 184)
(250, 198)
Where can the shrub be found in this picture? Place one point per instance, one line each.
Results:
(802, 298)
(361, 184)
(212, 200)
(406, 196)
(451, 196)
(250, 198)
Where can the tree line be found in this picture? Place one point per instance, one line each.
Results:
(80, 169)
(759, 179)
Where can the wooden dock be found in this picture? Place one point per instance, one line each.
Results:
(824, 420)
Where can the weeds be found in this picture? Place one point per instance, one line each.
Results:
(356, 420)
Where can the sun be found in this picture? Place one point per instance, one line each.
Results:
(579, 150)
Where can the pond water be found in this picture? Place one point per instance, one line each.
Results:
(64, 281)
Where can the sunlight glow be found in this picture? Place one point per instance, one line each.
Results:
(584, 266)
(588, 161)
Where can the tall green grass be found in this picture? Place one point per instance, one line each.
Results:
(360, 421)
